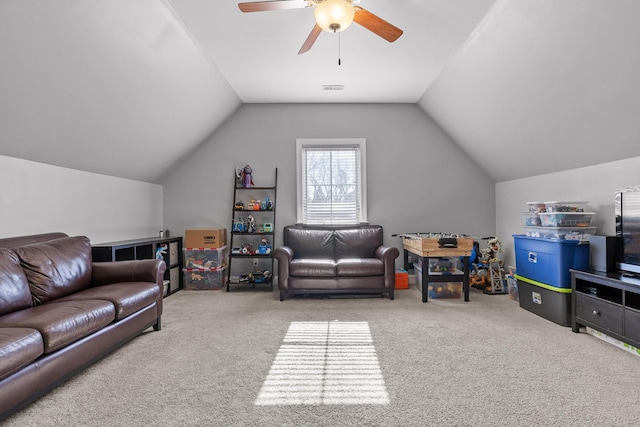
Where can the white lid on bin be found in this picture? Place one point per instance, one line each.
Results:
(556, 202)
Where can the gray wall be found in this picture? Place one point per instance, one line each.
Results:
(417, 178)
(39, 198)
(595, 184)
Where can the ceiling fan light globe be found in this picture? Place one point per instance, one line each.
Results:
(334, 15)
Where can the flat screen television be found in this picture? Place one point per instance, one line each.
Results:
(627, 207)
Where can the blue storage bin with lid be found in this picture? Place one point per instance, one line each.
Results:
(549, 261)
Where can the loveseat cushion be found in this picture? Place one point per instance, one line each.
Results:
(312, 268)
(14, 287)
(358, 242)
(359, 267)
(56, 268)
(310, 243)
(61, 323)
(127, 297)
(18, 348)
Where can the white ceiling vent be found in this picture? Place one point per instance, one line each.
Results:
(332, 87)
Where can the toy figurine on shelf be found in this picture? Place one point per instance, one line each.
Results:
(268, 204)
(239, 177)
(264, 248)
(251, 224)
(239, 225)
(239, 205)
(161, 251)
(247, 177)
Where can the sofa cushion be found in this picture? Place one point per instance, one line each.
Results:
(18, 348)
(312, 268)
(61, 323)
(310, 243)
(14, 287)
(56, 268)
(360, 242)
(359, 267)
(127, 297)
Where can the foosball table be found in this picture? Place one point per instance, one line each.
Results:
(438, 245)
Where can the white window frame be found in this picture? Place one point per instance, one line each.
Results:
(304, 143)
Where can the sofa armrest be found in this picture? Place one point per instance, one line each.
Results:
(284, 255)
(145, 270)
(388, 255)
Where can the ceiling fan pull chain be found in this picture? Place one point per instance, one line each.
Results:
(339, 50)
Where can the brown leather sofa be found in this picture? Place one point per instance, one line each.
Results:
(60, 312)
(335, 260)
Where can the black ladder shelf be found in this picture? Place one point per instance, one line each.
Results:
(250, 259)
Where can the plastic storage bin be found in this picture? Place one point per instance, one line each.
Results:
(532, 219)
(556, 206)
(536, 207)
(203, 278)
(210, 258)
(561, 233)
(444, 265)
(566, 219)
(438, 290)
(548, 261)
(546, 301)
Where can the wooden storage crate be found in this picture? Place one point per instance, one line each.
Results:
(430, 247)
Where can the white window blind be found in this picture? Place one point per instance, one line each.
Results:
(331, 181)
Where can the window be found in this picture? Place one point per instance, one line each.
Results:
(331, 181)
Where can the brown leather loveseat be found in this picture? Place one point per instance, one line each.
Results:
(60, 312)
(344, 259)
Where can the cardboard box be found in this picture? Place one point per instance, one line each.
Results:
(402, 279)
(205, 238)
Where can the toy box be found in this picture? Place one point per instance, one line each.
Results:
(205, 238)
(532, 219)
(548, 261)
(536, 207)
(566, 219)
(205, 257)
(203, 278)
(557, 206)
(438, 290)
(561, 233)
(444, 290)
(546, 301)
(402, 279)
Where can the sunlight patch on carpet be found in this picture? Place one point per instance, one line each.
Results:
(325, 363)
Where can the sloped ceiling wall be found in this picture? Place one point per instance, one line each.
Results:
(544, 86)
(116, 87)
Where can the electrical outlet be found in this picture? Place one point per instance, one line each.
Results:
(255, 262)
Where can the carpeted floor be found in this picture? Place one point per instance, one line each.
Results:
(445, 363)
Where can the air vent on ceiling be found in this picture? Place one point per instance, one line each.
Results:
(332, 87)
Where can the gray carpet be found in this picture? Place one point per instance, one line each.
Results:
(445, 363)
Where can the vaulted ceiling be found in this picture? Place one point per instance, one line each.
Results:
(130, 88)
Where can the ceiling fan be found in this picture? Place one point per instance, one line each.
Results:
(331, 15)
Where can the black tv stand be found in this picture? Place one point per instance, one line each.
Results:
(606, 302)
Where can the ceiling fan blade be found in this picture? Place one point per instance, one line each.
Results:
(376, 25)
(308, 43)
(262, 6)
